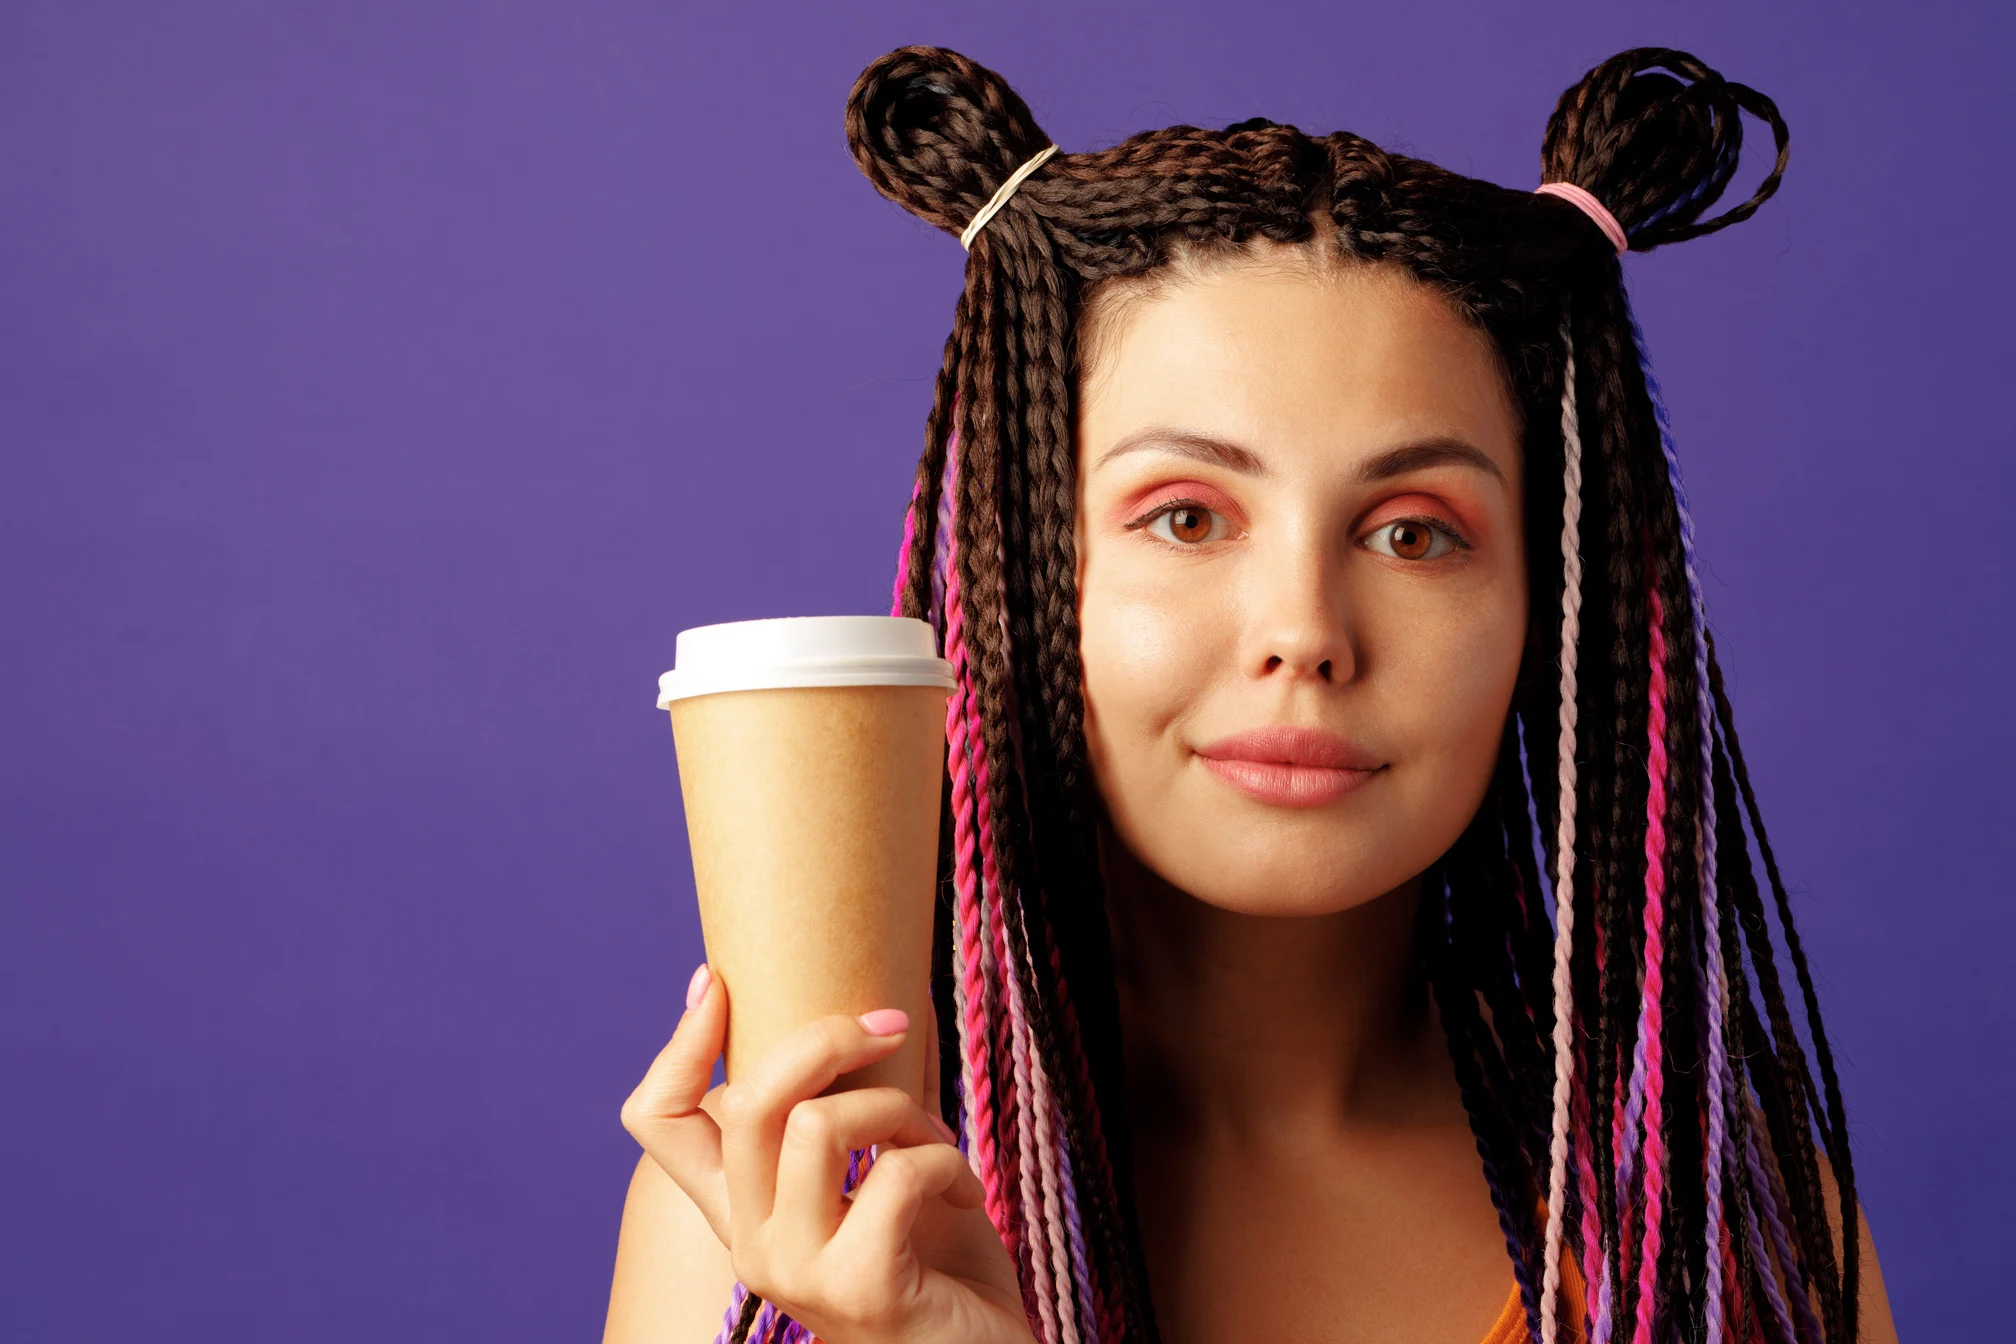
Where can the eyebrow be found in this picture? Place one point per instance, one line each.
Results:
(1434, 451)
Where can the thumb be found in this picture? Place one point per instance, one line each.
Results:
(663, 1111)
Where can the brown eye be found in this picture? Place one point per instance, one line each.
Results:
(1184, 524)
(1411, 540)
(1189, 524)
(1416, 538)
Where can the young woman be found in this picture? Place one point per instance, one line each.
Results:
(1350, 930)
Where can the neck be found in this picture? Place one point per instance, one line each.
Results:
(1268, 1030)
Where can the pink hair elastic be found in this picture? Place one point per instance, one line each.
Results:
(1591, 207)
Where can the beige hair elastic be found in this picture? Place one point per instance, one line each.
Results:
(1001, 197)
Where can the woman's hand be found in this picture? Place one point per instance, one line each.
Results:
(909, 1258)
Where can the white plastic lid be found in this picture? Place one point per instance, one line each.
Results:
(803, 651)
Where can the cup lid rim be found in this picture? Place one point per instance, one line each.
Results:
(786, 651)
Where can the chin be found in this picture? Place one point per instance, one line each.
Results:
(1302, 864)
(1284, 902)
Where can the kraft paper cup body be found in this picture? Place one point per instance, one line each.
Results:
(811, 758)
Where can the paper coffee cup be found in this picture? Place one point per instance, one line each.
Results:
(811, 759)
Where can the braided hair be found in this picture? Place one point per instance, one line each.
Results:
(1631, 1067)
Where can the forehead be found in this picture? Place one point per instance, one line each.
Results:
(1273, 353)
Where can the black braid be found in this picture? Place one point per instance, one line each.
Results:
(1835, 1132)
(1469, 1045)
(1622, 861)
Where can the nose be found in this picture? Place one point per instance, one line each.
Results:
(1298, 626)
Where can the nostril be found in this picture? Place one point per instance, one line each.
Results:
(1323, 669)
(1273, 662)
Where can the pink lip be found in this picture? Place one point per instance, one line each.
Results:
(1290, 767)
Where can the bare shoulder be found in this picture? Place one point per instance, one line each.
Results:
(1874, 1322)
(673, 1278)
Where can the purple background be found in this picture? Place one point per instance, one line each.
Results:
(382, 386)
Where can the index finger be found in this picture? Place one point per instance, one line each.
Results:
(799, 1067)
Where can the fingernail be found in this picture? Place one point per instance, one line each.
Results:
(885, 1021)
(944, 1130)
(696, 988)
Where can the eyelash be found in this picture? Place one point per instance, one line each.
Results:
(1167, 507)
(1457, 539)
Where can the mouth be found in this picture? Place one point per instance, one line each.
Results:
(1290, 767)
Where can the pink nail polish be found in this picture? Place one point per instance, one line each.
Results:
(885, 1021)
(696, 989)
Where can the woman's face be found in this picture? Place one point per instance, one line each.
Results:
(1301, 578)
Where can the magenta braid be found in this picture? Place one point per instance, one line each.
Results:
(1008, 1028)
(1060, 1299)
(1035, 1165)
(994, 963)
(1715, 990)
(976, 1075)
(903, 554)
(1650, 1041)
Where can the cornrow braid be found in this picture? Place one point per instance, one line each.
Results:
(1639, 1094)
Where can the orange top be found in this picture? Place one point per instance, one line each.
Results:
(1510, 1327)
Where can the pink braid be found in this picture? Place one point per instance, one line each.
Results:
(1649, 1009)
(981, 944)
(1035, 1107)
(1025, 1102)
(1001, 1054)
(1106, 1310)
(975, 1027)
(1021, 1174)
(1041, 1285)
(975, 1074)
(1564, 843)
(1047, 1126)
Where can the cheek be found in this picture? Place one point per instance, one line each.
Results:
(1454, 675)
(1145, 642)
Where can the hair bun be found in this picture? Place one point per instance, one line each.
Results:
(1658, 152)
(938, 133)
